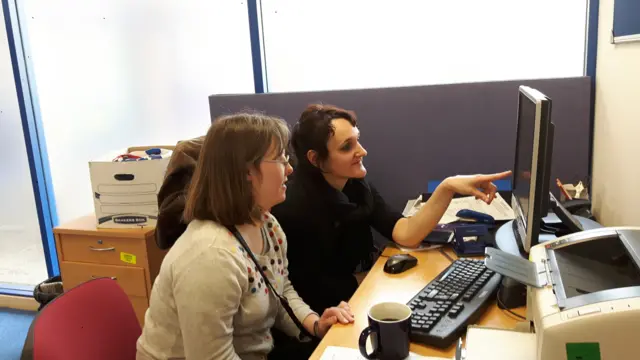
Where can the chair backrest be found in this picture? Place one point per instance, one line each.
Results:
(95, 320)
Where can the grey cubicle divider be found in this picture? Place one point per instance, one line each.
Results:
(422, 133)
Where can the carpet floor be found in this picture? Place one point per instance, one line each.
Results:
(14, 325)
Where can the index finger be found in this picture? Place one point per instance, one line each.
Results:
(342, 315)
(348, 316)
(498, 176)
(345, 306)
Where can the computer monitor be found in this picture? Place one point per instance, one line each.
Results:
(534, 147)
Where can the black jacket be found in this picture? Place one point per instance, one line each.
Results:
(329, 235)
(173, 192)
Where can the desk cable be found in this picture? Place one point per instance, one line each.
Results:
(504, 308)
(444, 253)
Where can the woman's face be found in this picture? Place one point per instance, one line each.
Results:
(345, 151)
(269, 186)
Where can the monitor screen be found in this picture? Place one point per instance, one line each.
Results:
(524, 152)
(532, 165)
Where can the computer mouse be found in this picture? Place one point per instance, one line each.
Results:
(399, 263)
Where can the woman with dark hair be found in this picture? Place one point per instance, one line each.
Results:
(218, 293)
(331, 207)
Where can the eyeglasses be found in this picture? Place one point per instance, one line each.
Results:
(284, 160)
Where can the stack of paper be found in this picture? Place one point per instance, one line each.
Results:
(499, 208)
(343, 353)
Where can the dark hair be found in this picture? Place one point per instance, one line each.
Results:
(312, 132)
(219, 189)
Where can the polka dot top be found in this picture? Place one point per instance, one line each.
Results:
(210, 301)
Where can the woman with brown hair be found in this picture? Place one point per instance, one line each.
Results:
(218, 293)
(331, 207)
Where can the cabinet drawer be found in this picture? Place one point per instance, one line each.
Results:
(131, 279)
(103, 250)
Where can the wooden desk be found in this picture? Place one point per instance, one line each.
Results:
(379, 286)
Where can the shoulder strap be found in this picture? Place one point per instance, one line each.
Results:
(283, 300)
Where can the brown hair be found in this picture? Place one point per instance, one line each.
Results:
(219, 189)
(312, 132)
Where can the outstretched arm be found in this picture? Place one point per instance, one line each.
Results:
(411, 231)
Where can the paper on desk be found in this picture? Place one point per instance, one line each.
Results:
(343, 353)
(412, 206)
(499, 209)
(421, 247)
(484, 343)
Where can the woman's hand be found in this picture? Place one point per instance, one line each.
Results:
(341, 313)
(480, 186)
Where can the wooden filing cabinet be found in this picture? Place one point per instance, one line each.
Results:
(129, 256)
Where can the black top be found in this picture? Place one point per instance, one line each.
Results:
(329, 235)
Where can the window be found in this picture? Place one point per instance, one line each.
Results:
(112, 74)
(336, 44)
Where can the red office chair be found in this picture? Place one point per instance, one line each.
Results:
(94, 320)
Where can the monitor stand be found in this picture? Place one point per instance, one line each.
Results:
(506, 240)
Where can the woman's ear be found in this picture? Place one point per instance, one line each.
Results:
(312, 156)
(252, 173)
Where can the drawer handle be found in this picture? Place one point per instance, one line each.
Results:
(102, 249)
(99, 277)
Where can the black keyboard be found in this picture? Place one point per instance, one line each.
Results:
(455, 299)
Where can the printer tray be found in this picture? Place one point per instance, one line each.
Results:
(515, 267)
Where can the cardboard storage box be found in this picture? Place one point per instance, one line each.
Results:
(125, 194)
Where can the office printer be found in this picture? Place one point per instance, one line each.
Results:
(583, 293)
